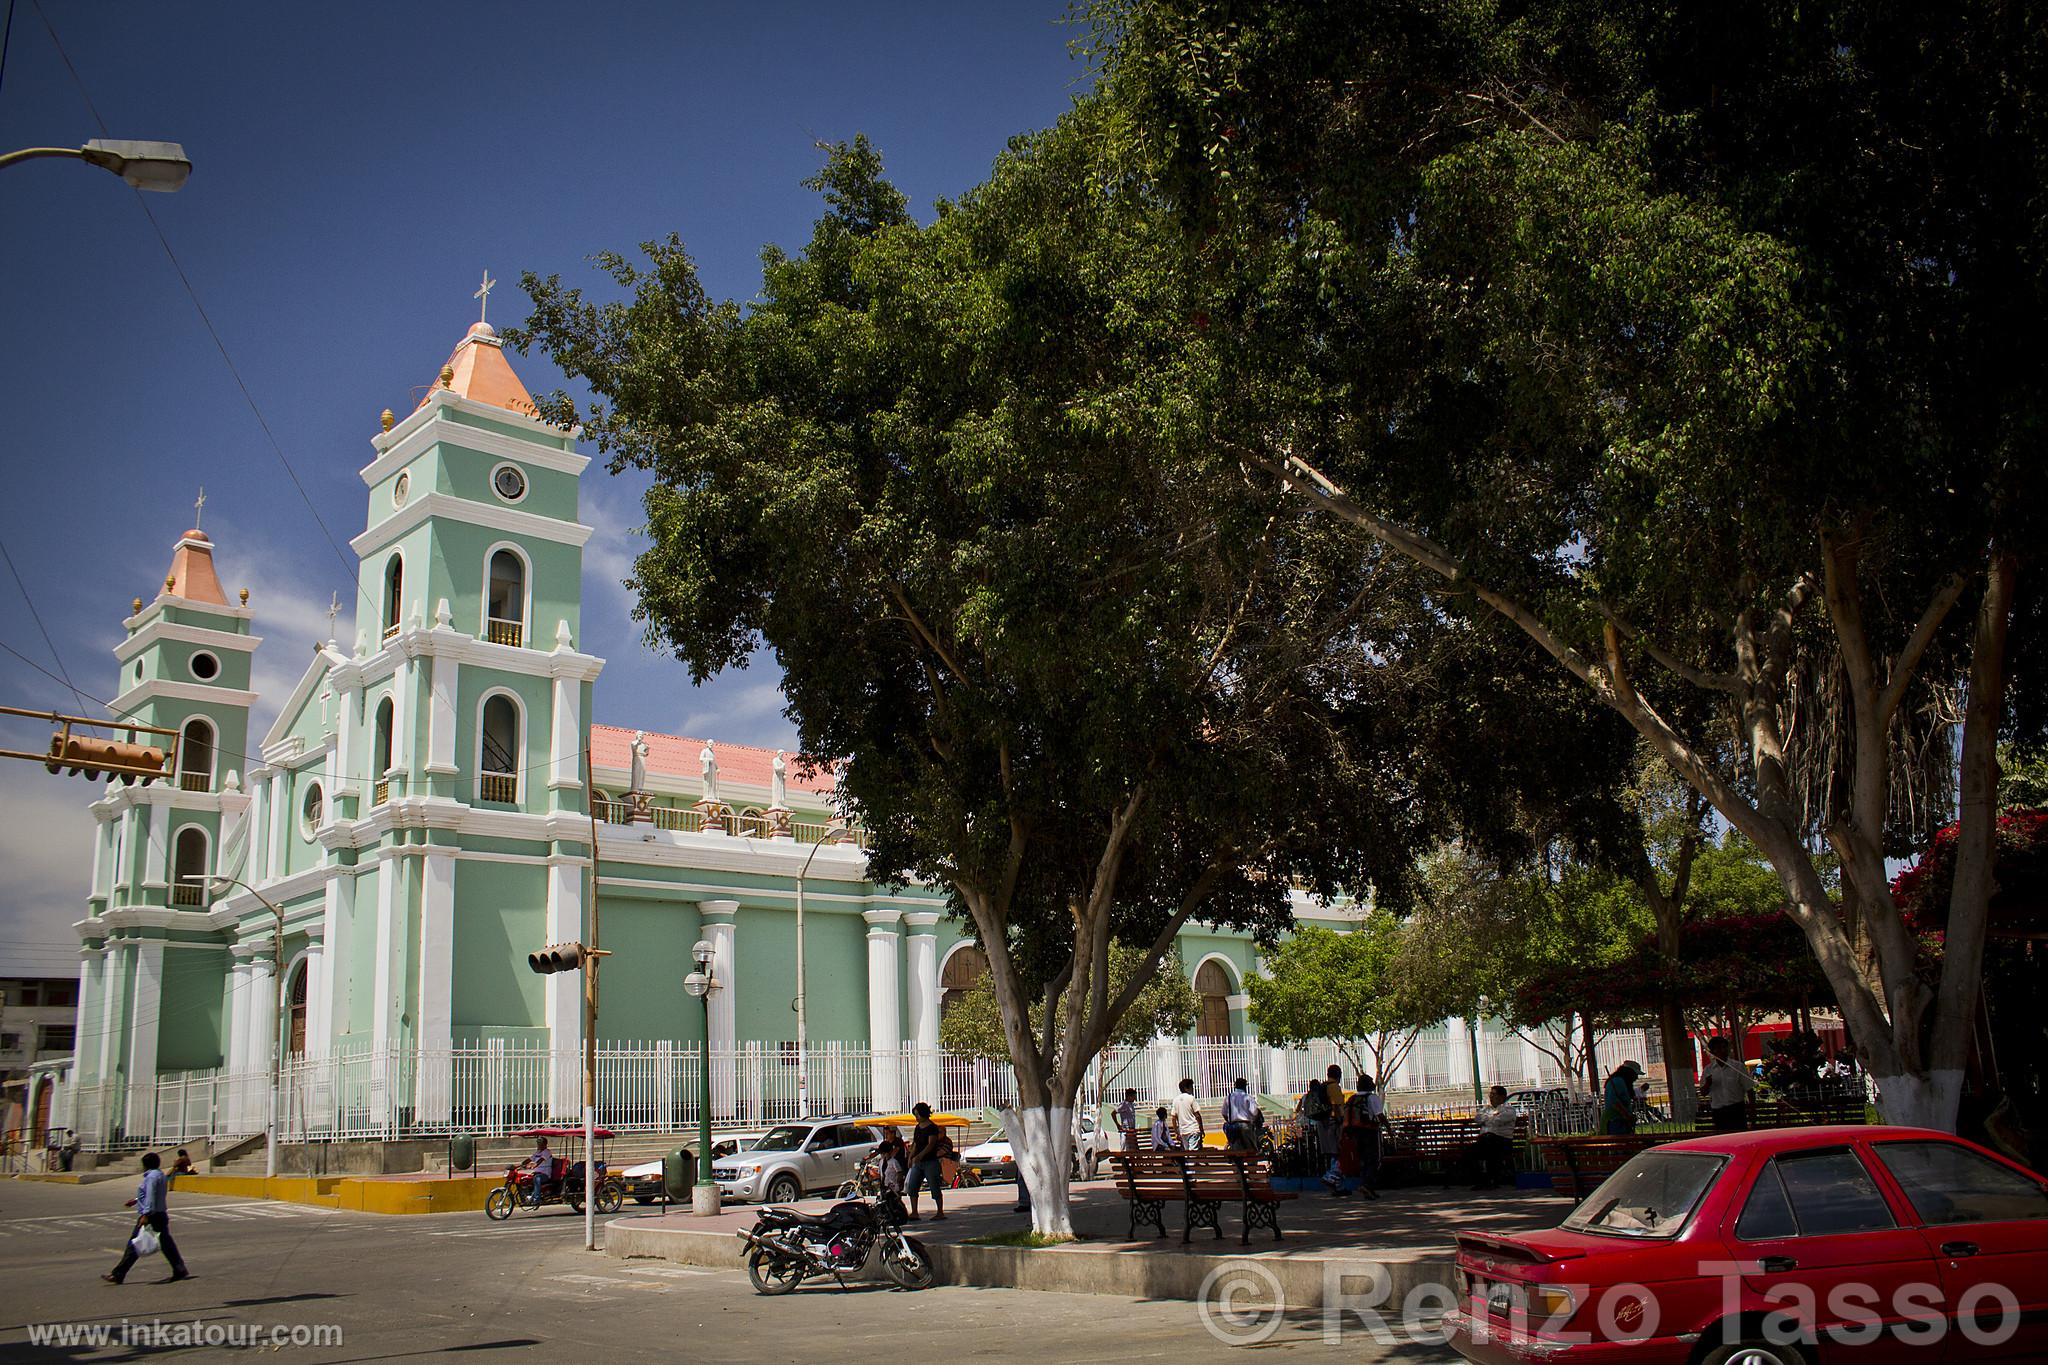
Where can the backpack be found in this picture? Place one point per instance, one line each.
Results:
(1315, 1104)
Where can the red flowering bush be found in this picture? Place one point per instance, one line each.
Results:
(2020, 876)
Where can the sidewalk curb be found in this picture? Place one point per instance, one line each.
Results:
(1119, 1271)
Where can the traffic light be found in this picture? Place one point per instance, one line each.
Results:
(556, 957)
(77, 754)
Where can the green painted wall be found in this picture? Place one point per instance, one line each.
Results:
(641, 998)
(189, 1025)
(500, 917)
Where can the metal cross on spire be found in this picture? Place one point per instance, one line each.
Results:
(199, 507)
(333, 610)
(483, 313)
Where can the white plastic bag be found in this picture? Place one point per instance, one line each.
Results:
(144, 1241)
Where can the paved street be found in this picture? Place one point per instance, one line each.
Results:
(401, 1288)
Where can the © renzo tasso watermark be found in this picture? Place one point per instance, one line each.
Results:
(157, 1334)
(1243, 1302)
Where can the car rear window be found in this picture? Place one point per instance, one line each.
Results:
(1824, 1192)
(1654, 1195)
(1949, 1183)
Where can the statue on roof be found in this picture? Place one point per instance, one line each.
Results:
(639, 749)
(707, 762)
(779, 785)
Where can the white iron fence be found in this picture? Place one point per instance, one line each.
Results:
(657, 1087)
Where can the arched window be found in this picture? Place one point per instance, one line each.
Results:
(296, 1037)
(1212, 987)
(312, 810)
(394, 594)
(380, 753)
(505, 599)
(498, 759)
(965, 965)
(195, 757)
(188, 867)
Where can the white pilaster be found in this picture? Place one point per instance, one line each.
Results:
(262, 1033)
(326, 1010)
(401, 716)
(1166, 1074)
(344, 761)
(885, 1023)
(436, 1030)
(92, 979)
(923, 952)
(100, 834)
(157, 866)
(563, 992)
(258, 832)
(721, 932)
(124, 849)
(384, 986)
(565, 735)
(145, 1005)
(282, 814)
(441, 716)
(113, 989)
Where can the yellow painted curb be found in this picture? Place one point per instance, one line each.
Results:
(362, 1194)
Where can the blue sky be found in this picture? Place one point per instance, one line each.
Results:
(356, 169)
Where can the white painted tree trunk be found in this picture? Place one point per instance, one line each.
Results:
(1920, 1101)
(1042, 1140)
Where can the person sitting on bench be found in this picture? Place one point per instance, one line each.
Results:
(1494, 1148)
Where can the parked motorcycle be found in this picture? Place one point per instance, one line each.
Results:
(786, 1247)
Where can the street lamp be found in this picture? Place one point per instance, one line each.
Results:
(159, 166)
(700, 983)
(277, 1032)
(833, 831)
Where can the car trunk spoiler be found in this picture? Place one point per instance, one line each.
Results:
(1509, 1249)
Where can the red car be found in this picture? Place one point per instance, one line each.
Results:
(1791, 1246)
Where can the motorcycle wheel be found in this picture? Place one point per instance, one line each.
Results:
(574, 1199)
(906, 1261)
(849, 1190)
(610, 1197)
(498, 1204)
(772, 1274)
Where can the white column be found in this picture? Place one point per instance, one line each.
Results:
(234, 1017)
(113, 987)
(1166, 1073)
(92, 982)
(384, 986)
(342, 763)
(281, 816)
(565, 735)
(436, 1028)
(563, 993)
(258, 831)
(923, 946)
(720, 930)
(262, 1034)
(157, 868)
(1278, 1082)
(99, 859)
(1458, 1053)
(145, 1005)
(401, 716)
(441, 716)
(885, 1026)
(124, 850)
(327, 1008)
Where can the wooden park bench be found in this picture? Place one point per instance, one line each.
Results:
(1203, 1181)
(1795, 1112)
(1440, 1144)
(1577, 1165)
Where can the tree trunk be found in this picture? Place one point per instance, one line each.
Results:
(1042, 1140)
(1592, 1055)
(1685, 1095)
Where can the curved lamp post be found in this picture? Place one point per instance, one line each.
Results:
(834, 832)
(159, 166)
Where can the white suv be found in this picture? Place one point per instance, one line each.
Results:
(794, 1159)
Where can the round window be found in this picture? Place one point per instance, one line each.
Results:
(509, 481)
(313, 810)
(402, 489)
(205, 667)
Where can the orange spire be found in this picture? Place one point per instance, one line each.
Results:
(192, 576)
(479, 371)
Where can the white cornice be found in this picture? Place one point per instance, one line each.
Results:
(180, 691)
(448, 507)
(294, 704)
(165, 599)
(891, 902)
(157, 917)
(438, 399)
(447, 643)
(729, 853)
(160, 629)
(492, 443)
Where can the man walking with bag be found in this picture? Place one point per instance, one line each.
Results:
(152, 1223)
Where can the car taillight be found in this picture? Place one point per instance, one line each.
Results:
(1549, 1301)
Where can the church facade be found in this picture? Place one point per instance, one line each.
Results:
(360, 886)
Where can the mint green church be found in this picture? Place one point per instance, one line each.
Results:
(358, 888)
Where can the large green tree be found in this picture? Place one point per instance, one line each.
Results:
(1352, 987)
(1695, 342)
(1085, 669)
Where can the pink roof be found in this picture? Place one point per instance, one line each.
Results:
(192, 576)
(478, 369)
(676, 756)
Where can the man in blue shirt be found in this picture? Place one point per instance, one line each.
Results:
(152, 1210)
(1618, 1100)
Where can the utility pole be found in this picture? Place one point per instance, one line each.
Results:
(590, 960)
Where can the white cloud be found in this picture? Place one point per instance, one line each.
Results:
(48, 864)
